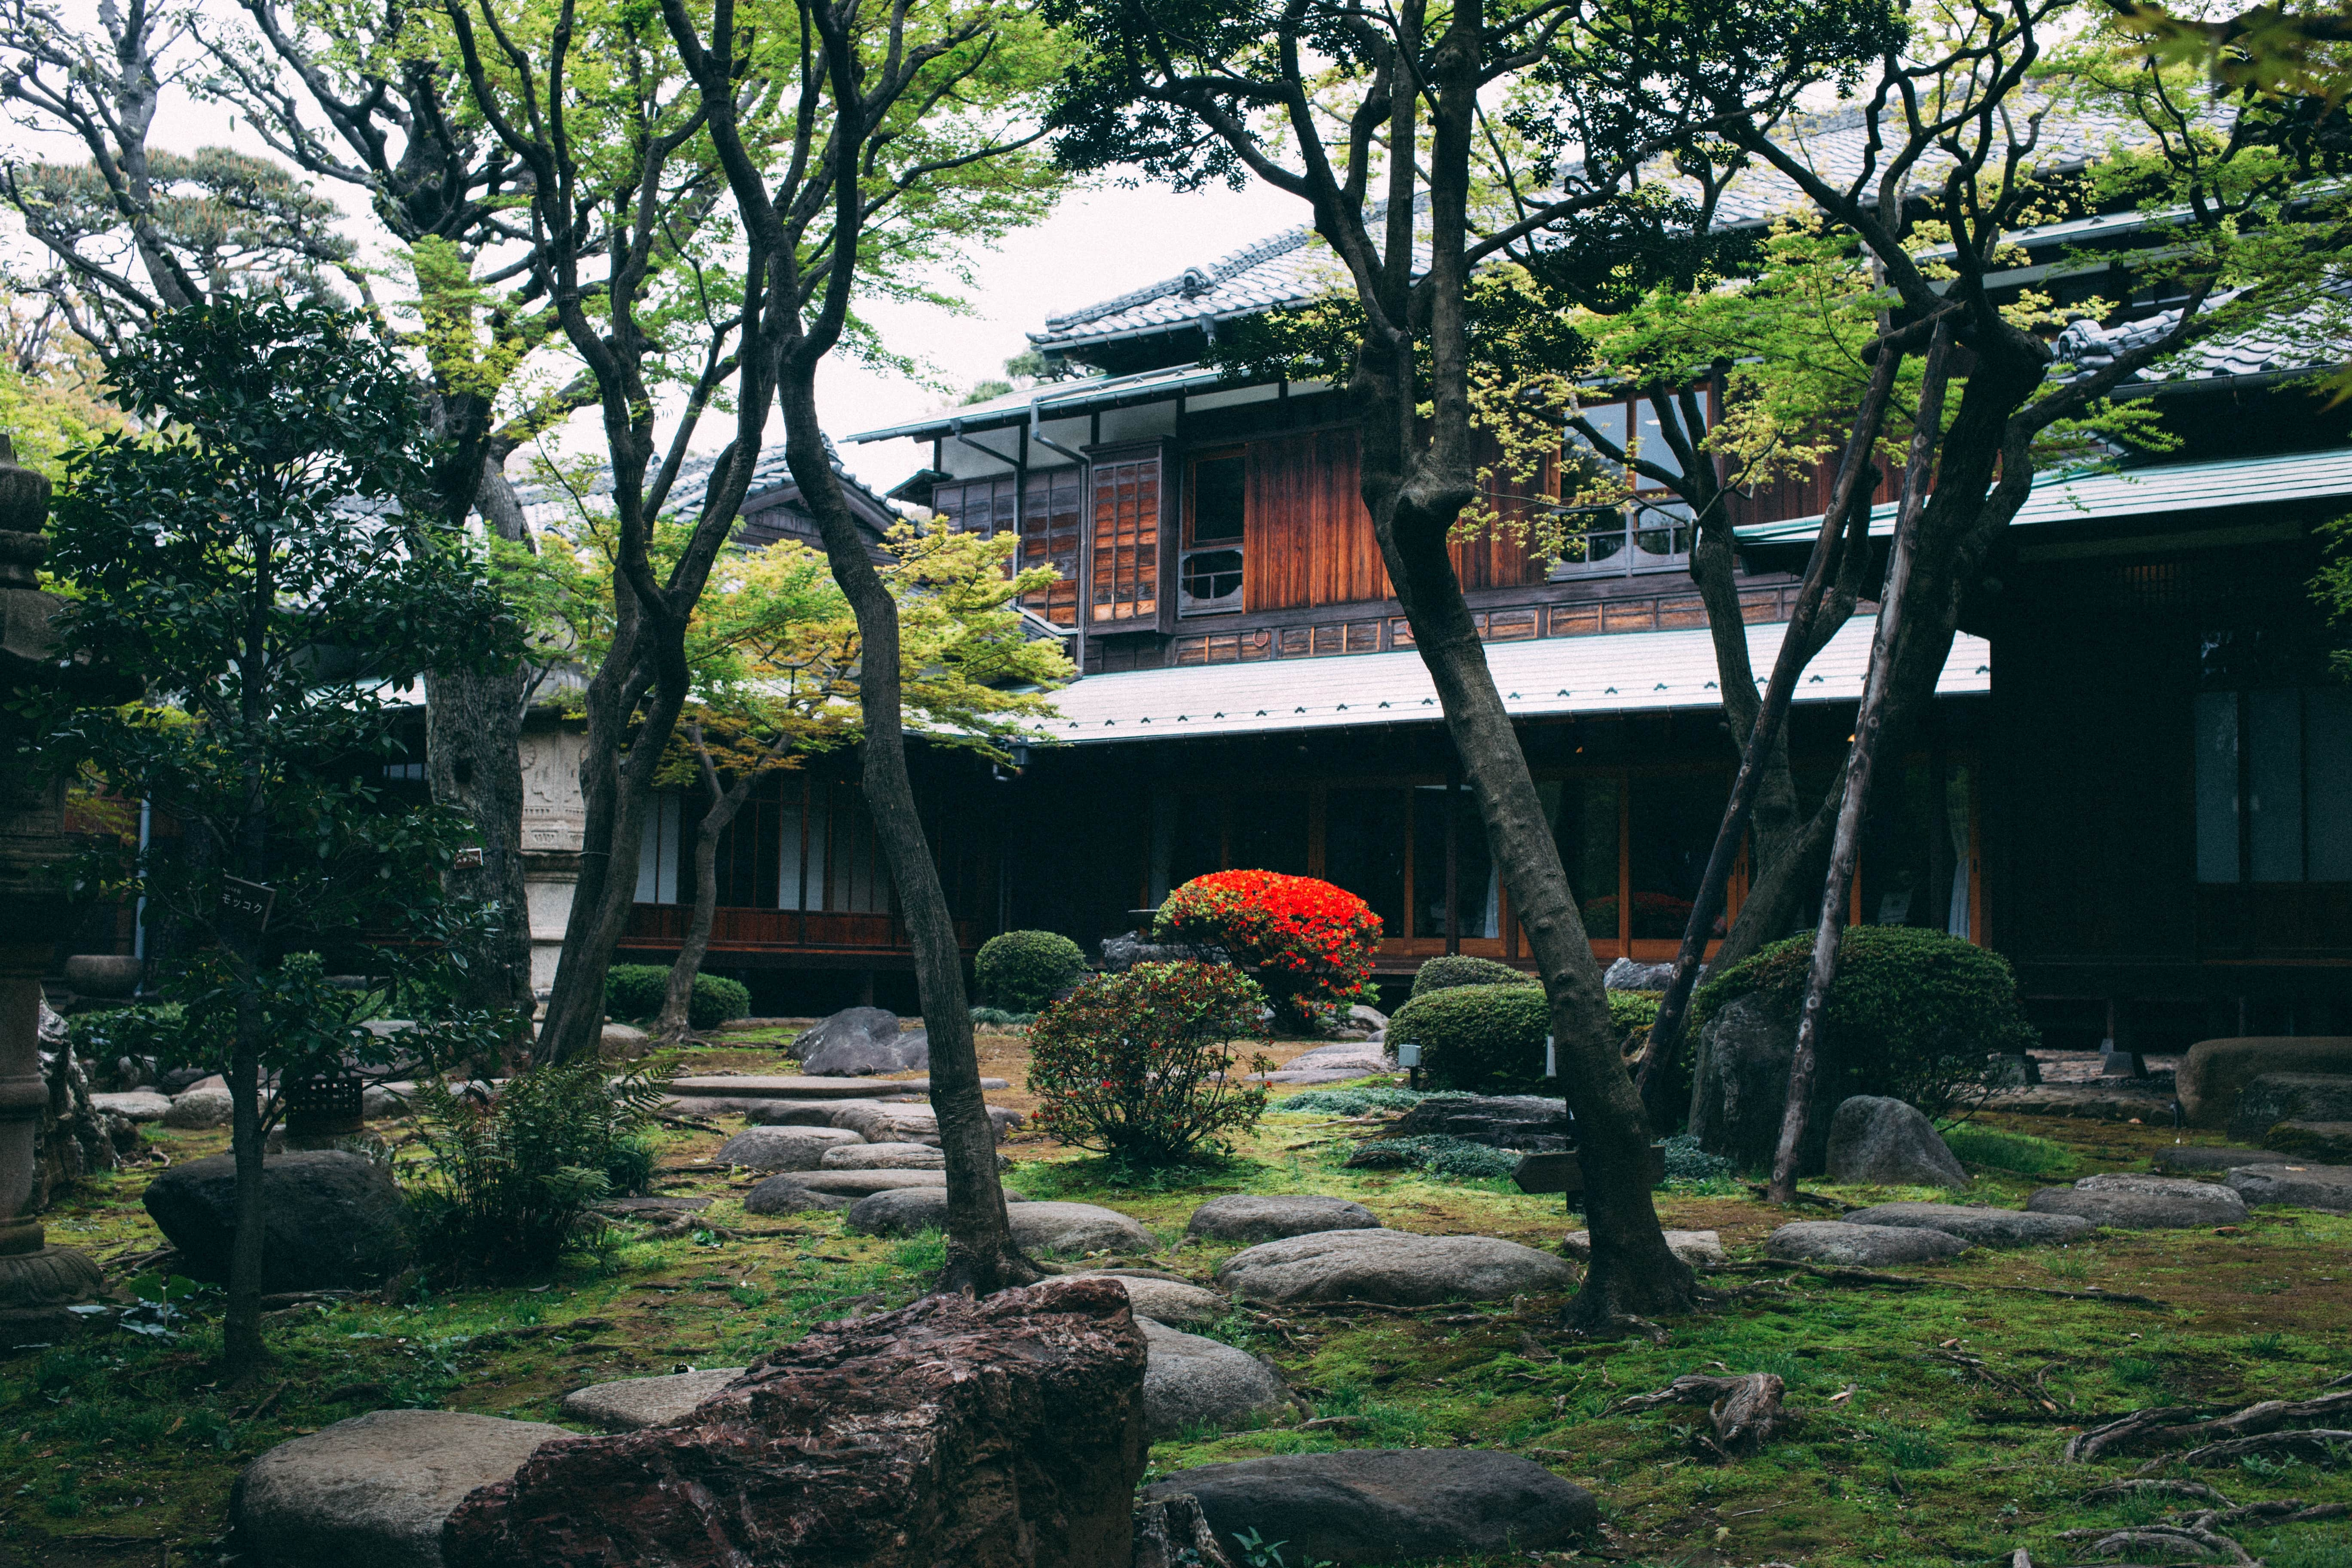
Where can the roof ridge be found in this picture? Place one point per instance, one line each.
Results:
(1191, 282)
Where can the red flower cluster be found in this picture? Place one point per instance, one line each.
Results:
(1309, 942)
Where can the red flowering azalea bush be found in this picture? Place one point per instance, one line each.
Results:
(1309, 944)
(1136, 1065)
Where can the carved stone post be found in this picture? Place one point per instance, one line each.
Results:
(36, 1280)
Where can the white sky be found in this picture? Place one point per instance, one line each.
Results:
(1099, 243)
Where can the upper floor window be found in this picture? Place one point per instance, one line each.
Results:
(1049, 514)
(1651, 530)
(1216, 517)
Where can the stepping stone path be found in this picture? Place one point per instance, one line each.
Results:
(884, 1157)
(1699, 1248)
(792, 1192)
(635, 1402)
(1330, 1064)
(780, 1148)
(2142, 1203)
(1192, 1382)
(1859, 1246)
(1388, 1505)
(134, 1105)
(2302, 1186)
(333, 1218)
(1162, 1301)
(2206, 1157)
(1392, 1265)
(1066, 1228)
(1979, 1227)
(1248, 1218)
(374, 1489)
(1887, 1143)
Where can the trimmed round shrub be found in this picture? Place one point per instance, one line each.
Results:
(1021, 971)
(1911, 1015)
(1485, 1038)
(636, 991)
(1461, 969)
(1309, 942)
(1139, 1064)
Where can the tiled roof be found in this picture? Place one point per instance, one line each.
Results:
(769, 475)
(1619, 672)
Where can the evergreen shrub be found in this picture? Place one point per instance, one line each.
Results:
(636, 991)
(1021, 971)
(1139, 1065)
(1488, 1039)
(1912, 1015)
(1461, 969)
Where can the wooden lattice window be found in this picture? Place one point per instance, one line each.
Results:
(1125, 584)
(1053, 518)
(985, 507)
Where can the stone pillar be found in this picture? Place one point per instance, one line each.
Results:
(37, 1281)
(553, 820)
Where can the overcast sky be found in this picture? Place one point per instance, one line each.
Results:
(1099, 243)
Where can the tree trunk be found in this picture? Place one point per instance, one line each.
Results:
(241, 1335)
(677, 1005)
(982, 1257)
(1854, 799)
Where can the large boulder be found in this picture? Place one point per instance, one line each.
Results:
(1387, 1505)
(1741, 1079)
(1624, 975)
(781, 1148)
(634, 1402)
(1886, 1142)
(858, 1041)
(374, 1491)
(201, 1107)
(134, 1105)
(1859, 1246)
(1193, 1382)
(2329, 1142)
(2297, 1186)
(1529, 1121)
(2142, 1203)
(332, 1218)
(1979, 1227)
(1003, 1433)
(1392, 1265)
(2272, 1098)
(2211, 1075)
(1163, 1300)
(1065, 1229)
(1248, 1216)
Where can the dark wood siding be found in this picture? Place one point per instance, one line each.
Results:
(1310, 540)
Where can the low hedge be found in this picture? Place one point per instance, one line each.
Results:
(636, 991)
(1912, 1015)
(1489, 1039)
(1461, 969)
(1022, 971)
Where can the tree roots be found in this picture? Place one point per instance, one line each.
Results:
(1745, 1409)
(2266, 1424)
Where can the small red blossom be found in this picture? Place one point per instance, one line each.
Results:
(1310, 942)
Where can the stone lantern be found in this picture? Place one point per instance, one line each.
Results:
(37, 1281)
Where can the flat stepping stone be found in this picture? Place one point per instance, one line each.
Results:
(1392, 1265)
(201, 1107)
(2142, 1203)
(1979, 1227)
(2299, 1186)
(922, 1086)
(2207, 1157)
(1859, 1246)
(1313, 1075)
(2308, 1143)
(795, 1191)
(1388, 1505)
(1699, 1248)
(1345, 1053)
(884, 1157)
(634, 1402)
(784, 1086)
(374, 1489)
(1247, 1217)
(794, 1112)
(1189, 1380)
(134, 1105)
(1067, 1228)
(780, 1148)
(1163, 1300)
(652, 1208)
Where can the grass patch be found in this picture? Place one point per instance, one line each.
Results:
(2023, 1154)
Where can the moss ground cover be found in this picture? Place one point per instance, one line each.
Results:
(1933, 1418)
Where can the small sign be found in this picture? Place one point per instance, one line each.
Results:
(466, 859)
(246, 905)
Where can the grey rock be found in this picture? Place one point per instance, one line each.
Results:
(1163, 1300)
(784, 1194)
(1741, 1074)
(194, 1109)
(2299, 1186)
(1527, 1122)
(2142, 1203)
(2323, 1142)
(1979, 1227)
(865, 1183)
(884, 1157)
(780, 1148)
(2209, 1157)
(2214, 1073)
(134, 1105)
(652, 1208)
(624, 1042)
(859, 1041)
(1387, 1505)
(379, 1101)
(1369, 1019)
(1699, 1248)
(1065, 1229)
(764, 1113)
(102, 974)
(1125, 951)
(373, 1491)
(1859, 1246)
(1363, 1057)
(1889, 1143)
(333, 1218)
(635, 1402)
(2014, 1069)
(1246, 1217)
(1391, 1266)
(1625, 974)
(1192, 1382)
(2275, 1096)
